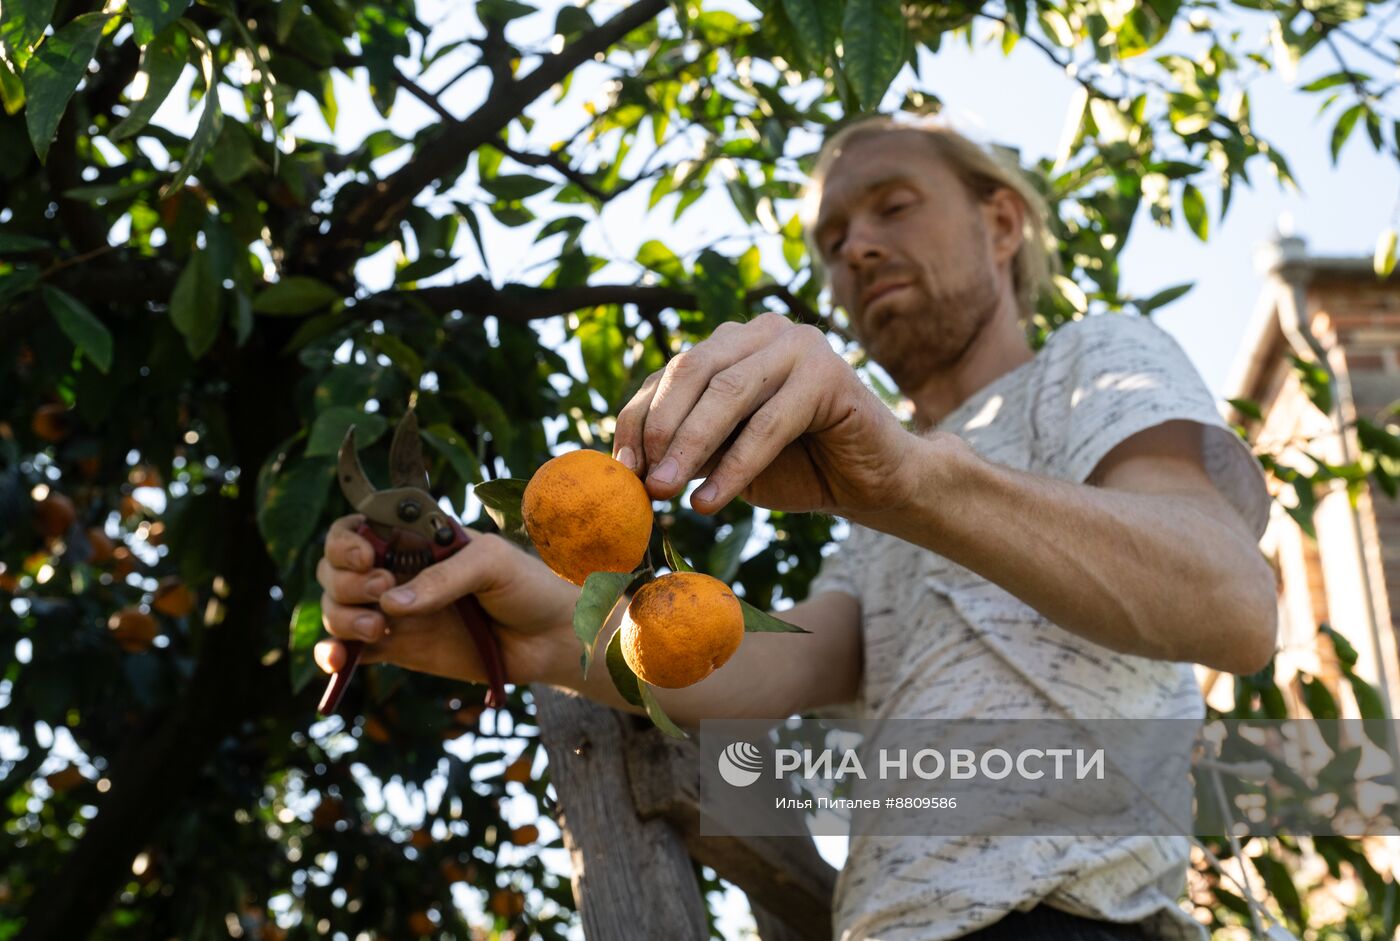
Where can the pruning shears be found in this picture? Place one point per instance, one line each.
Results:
(409, 532)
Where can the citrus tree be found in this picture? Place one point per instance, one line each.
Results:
(192, 314)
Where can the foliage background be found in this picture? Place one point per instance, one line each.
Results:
(192, 305)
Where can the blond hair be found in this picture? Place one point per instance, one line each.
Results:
(981, 172)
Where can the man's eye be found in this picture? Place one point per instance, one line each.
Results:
(891, 210)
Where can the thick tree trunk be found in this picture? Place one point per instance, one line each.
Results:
(152, 778)
(632, 878)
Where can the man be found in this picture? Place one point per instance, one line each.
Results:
(1061, 534)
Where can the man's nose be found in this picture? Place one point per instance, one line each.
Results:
(862, 245)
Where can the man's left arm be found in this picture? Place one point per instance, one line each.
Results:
(1146, 558)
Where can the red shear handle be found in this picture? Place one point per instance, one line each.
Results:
(468, 608)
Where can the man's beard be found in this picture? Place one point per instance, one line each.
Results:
(924, 333)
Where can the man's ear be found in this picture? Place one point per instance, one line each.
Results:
(1005, 216)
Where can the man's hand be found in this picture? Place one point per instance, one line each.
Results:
(531, 609)
(769, 412)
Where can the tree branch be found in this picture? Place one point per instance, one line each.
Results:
(520, 303)
(652, 315)
(554, 161)
(390, 198)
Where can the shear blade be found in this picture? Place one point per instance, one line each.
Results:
(353, 482)
(406, 467)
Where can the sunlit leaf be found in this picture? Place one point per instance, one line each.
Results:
(162, 62)
(53, 74)
(597, 599)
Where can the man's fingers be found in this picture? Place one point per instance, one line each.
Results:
(731, 396)
(351, 622)
(347, 550)
(770, 429)
(330, 655)
(468, 572)
(627, 436)
(350, 587)
(684, 381)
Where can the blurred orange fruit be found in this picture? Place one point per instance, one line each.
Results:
(172, 598)
(51, 422)
(65, 779)
(133, 629)
(54, 514)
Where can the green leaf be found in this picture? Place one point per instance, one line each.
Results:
(400, 354)
(292, 506)
(674, 560)
(234, 156)
(469, 216)
(424, 267)
(488, 412)
(194, 305)
(1377, 439)
(113, 192)
(510, 187)
(53, 75)
(1280, 885)
(750, 267)
(329, 428)
(1247, 407)
(872, 39)
(502, 11)
(1384, 260)
(305, 631)
(1322, 707)
(1346, 653)
(501, 499)
(346, 384)
(809, 32)
(658, 715)
(1335, 79)
(81, 326)
(211, 119)
(1193, 204)
(623, 679)
(150, 17)
(11, 89)
(1056, 27)
(1343, 128)
(725, 555)
(655, 256)
(757, 621)
(447, 442)
(600, 594)
(162, 62)
(22, 24)
(488, 162)
(294, 296)
(12, 242)
(1372, 708)
(1316, 381)
(1164, 297)
(1340, 772)
(718, 287)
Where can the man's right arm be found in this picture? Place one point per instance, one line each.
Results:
(770, 676)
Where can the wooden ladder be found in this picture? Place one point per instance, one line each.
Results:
(628, 805)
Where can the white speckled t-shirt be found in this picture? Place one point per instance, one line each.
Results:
(941, 642)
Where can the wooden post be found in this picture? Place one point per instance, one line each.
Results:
(633, 878)
(786, 879)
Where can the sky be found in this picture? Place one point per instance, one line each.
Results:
(1020, 101)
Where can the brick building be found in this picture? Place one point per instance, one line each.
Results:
(1334, 311)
